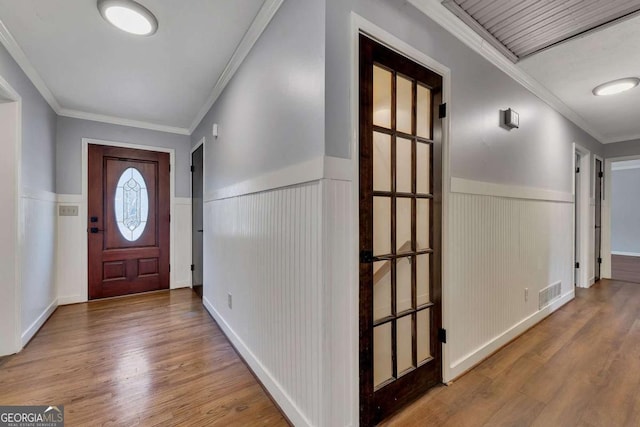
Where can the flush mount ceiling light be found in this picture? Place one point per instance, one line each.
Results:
(616, 86)
(128, 16)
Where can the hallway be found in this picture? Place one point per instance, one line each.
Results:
(578, 367)
(153, 359)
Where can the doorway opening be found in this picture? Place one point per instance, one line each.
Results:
(128, 221)
(583, 218)
(624, 202)
(197, 218)
(11, 215)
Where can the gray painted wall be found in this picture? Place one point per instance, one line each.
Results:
(38, 128)
(622, 149)
(37, 287)
(271, 115)
(69, 150)
(538, 154)
(625, 210)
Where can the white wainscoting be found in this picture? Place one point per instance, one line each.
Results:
(181, 223)
(283, 255)
(71, 272)
(497, 247)
(39, 296)
(341, 344)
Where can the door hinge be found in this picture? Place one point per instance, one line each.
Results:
(169, 268)
(193, 267)
(193, 168)
(442, 111)
(577, 265)
(442, 335)
(366, 257)
(599, 260)
(577, 170)
(600, 174)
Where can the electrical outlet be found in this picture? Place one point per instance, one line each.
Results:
(67, 210)
(526, 294)
(229, 300)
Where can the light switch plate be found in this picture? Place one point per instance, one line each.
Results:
(68, 210)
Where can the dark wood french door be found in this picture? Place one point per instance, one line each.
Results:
(400, 231)
(598, 218)
(128, 221)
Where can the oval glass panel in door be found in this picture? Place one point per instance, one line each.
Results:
(131, 204)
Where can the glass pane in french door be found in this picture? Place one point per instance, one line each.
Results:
(402, 223)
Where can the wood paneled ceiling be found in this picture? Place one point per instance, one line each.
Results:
(520, 28)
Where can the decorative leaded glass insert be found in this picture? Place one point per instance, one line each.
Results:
(131, 204)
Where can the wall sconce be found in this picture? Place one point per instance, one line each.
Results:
(511, 119)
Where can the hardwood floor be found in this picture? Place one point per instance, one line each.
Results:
(159, 359)
(578, 367)
(151, 360)
(626, 268)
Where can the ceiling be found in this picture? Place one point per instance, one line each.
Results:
(520, 28)
(87, 68)
(571, 70)
(564, 75)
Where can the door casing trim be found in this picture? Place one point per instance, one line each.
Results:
(582, 203)
(84, 202)
(360, 25)
(605, 268)
(15, 98)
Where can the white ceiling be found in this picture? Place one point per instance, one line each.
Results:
(571, 70)
(166, 81)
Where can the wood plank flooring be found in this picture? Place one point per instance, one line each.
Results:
(625, 268)
(159, 359)
(150, 360)
(578, 367)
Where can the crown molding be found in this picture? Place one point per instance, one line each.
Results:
(632, 137)
(259, 24)
(447, 20)
(18, 55)
(112, 120)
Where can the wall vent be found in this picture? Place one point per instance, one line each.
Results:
(548, 294)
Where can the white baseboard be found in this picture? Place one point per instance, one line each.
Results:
(625, 253)
(467, 362)
(73, 299)
(275, 389)
(592, 281)
(181, 285)
(37, 324)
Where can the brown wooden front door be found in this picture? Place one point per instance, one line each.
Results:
(400, 231)
(128, 221)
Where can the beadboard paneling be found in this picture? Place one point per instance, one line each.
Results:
(497, 248)
(265, 249)
(340, 367)
(39, 296)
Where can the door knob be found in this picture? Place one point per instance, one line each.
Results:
(95, 230)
